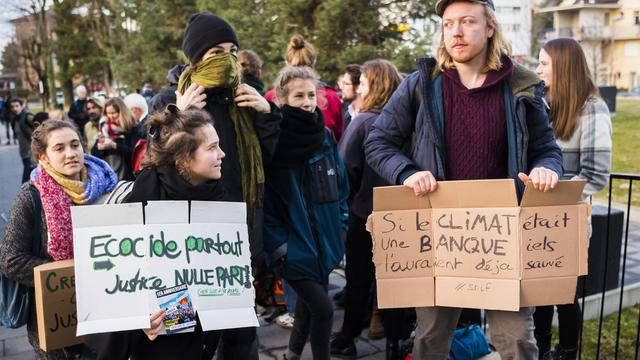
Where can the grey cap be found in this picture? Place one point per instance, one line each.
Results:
(442, 4)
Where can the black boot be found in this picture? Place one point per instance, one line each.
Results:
(544, 346)
(565, 354)
(392, 350)
(343, 346)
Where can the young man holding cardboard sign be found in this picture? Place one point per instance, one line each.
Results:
(479, 117)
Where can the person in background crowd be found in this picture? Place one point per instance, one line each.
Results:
(248, 126)
(582, 126)
(23, 128)
(352, 100)
(95, 109)
(305, 209)
(250, 67)
(183, 162)
(138, 106)
(8, 119)
(116, 138)
(302, 53)
(78, 111)
(147, 92)
(40, 117)
(482, 94)
(57, 115)
(338, 87)
(3, 106)
(167, 95)
(65, 177)
(378, 79)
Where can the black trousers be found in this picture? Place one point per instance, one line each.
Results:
(314, 316)
(26, 170)
(240, 343)
(360, 273)
(569, 318)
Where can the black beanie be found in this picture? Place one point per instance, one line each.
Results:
(204, 31)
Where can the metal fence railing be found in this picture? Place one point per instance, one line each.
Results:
(623, 181)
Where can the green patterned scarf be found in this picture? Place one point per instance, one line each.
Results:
(221, 71)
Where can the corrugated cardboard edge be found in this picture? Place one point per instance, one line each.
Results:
(585, 214)
(540, 292)
(393, 293)
(566, 192)
(38, 281)
(497, 193)
(390, 198)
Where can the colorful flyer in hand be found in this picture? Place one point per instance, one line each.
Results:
(179, 313)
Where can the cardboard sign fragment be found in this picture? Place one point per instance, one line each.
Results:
(55, 296)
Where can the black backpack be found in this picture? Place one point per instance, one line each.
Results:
(15, 298)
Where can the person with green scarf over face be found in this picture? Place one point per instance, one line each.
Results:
(248, 127)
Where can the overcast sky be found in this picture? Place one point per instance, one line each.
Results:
(9, 11)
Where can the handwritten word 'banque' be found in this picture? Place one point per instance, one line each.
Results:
(471, 245)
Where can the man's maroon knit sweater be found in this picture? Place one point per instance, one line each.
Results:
(475, 126)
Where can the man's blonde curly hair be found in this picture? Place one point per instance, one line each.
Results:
(497, 46)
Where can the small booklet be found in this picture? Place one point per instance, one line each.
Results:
(179, 313)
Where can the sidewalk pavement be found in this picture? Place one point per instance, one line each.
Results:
(273, 339)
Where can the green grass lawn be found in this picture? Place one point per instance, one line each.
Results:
(626, 150)
(628, 328)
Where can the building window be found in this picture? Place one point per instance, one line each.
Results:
(631, 49)
(636, 17)
(607, 19)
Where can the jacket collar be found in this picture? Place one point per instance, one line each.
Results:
(522, 81)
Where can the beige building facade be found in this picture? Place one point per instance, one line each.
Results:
(609, 32)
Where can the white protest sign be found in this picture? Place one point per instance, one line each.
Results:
(110, 267)
(230, 302)
(210, 255)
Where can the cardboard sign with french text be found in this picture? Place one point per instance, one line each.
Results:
(469, 244)
(55, 295)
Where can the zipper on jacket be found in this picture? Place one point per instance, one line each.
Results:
(308, 199)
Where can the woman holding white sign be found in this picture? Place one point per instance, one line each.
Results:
(65, 177)
(305, 209)
(582, 127)
(183, 162)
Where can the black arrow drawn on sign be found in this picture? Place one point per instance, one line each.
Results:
(103, 265)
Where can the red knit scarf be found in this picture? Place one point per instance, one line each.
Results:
(57, 208)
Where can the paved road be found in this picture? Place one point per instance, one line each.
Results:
(13, 343)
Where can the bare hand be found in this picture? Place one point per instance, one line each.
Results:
(194, 96)
(156, 325)
(107, 144)
(542, 178)
(421, 182)
(246, 96)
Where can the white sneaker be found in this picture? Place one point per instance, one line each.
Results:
(285, 321)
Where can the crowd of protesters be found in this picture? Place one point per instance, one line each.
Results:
(305, 156)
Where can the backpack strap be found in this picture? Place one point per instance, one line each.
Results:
(36, 235)
(416, 100)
